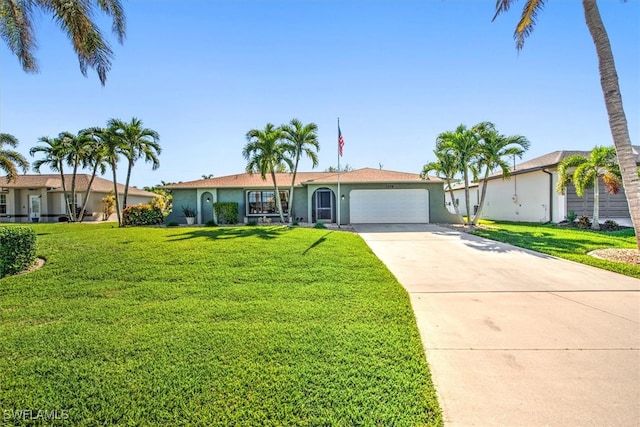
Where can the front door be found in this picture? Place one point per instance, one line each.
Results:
(324, 205)
(34, 208)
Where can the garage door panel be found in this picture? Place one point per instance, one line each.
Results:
(389, 206)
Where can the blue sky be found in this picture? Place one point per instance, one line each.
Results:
(397, 73)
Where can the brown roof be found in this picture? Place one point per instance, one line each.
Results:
(245, 180)
(53, 182)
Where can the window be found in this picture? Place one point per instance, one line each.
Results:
(264, 202)
(70, 206)
(3, 203)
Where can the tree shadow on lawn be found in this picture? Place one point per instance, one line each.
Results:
(266, 233)
(317, 242)
(536, 241)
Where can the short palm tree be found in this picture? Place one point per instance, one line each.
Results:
(55, 152)
(493, 150)
(136, 142)
(462, 145)
(610, 91)
(301, 140)
(75, 17)
(585, 172)
(444, 168)
(264, 152)
(112, 151)
(11, 160)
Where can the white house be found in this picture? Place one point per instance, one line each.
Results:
(530, 195)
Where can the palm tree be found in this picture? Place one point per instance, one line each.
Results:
(463, 145)
(75, 18)
(55, 152)
(494, 147)
(610, 90)
(302, 139)
(94, 158)
(11, 160)
(78, 146)
(445, 168)
(112, 151)
(264, 152)
(136, 142)
(585, 172)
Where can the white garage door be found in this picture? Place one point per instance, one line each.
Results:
(389, 206)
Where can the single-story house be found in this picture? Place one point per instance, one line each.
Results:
(34, 198)
(365, 196)
(530, 195)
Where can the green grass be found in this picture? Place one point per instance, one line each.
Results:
(200, 326)
(568, 243)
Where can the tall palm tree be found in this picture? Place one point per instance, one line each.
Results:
(463, 145)
(75, 18)
(94, 158)
(78, 146)
(302, 140)
(11, 160)
(493, 149)
(445, 168)
(585, 172)
(264, 152)
(610, 90)
(136, 142)
(55, 152)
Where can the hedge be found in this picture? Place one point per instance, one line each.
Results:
(226, 212)
(17, 249)
(142, 215)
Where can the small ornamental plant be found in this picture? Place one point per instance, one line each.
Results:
(189, 212)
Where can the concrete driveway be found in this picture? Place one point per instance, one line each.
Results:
(517, 338)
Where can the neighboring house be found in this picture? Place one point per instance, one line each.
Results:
(530, 194)
(34, 198)
(458, 193)
(366, 196)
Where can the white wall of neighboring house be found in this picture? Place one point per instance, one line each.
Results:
(525, 197)
(474, 197)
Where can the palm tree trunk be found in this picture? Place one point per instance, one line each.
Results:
(482, 196)
(73, 191)
(126, 185)
(115, 190)
(278, 204)
(88, 193)
(466, 197)
(615, 110)
(595, 224)
(64, 192)
(293, 181)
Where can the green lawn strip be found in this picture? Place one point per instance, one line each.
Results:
(224, 326)
(568, 243)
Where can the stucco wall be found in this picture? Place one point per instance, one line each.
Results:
(524, 197)
(187, 197)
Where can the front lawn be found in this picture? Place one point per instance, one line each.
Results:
(210, 326)
(568, 243)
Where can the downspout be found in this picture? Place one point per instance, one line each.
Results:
(550, 193)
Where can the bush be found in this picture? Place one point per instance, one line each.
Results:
(252, 223)
(610, 225)
(226, 212)
(172, 224)
(17, 249)
(211, 223)
(319, 224)
(142, 215)
(584, 222)
(571, 216)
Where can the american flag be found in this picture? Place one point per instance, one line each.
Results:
(340, 142)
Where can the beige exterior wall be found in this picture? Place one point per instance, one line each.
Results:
(474, 197)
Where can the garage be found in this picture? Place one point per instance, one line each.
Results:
(400, 206)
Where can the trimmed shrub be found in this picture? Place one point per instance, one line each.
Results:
(17, 249)
(211, 223)
(172, 224)
(226, 212)
(319, 224)
(142, 215)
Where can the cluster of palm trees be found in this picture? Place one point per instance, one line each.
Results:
(280, 148)
(97, 149)
(473, 153)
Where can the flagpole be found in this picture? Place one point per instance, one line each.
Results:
(338, 199)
